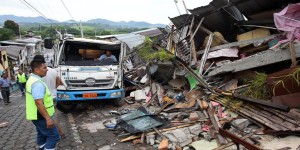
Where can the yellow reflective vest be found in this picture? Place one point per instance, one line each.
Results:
(22, 78)
(31, 108)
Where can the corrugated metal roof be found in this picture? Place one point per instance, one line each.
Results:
(29, 40)
(11, 43)
(181, 20)
(132, 40)
(12, 51)
(220, 16)
(149, 32)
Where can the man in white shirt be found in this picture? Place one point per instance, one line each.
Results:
(16, 69)
(52, 81)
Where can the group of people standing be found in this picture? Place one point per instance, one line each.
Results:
(6, 83)
(40, 90)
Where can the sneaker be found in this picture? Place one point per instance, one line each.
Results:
(9, 102)
(6, 103)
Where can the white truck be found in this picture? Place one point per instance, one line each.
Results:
(84, 77)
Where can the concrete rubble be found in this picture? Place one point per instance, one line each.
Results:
(212, 89)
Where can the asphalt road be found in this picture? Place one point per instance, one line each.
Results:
(84, 129)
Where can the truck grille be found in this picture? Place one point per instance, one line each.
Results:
(81, 83)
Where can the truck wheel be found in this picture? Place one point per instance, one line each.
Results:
(118, 102)
(65, 107)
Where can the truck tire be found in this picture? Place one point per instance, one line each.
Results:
(118, 102)
(65, 107)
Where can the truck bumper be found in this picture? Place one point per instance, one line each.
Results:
(78, 95)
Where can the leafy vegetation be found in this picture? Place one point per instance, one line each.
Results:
(9, 24)
(258, 87)
(89, 30)
(147, 52)
(6, 34)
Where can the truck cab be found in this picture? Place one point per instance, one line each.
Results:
(84, 76)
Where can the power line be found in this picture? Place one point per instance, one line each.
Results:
(31, 9)
(50, 21)
(70, 14)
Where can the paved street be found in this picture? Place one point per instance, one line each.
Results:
(84, 130)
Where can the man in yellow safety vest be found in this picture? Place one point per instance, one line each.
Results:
(39, 105)
(21, 79)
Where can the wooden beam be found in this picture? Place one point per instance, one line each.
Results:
(217, 36)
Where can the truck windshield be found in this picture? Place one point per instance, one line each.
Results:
(89, 54)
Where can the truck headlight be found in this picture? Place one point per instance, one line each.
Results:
(63, 96)
(116, 94)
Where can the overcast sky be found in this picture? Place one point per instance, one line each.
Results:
(153, 11)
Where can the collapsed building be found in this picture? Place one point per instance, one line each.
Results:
(225, 76)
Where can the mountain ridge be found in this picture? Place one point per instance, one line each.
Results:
(39, 19)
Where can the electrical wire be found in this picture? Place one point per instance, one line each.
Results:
(37, 11)
(70, 14)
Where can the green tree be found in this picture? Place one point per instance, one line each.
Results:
(106, 32)
(6, 34)
(9, 24)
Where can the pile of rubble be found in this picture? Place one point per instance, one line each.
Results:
(210, 95)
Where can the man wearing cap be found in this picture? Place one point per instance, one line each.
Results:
(5, 83)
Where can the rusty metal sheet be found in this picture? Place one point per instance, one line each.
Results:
(291, 100)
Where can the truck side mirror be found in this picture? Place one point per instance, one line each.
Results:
(48, 42)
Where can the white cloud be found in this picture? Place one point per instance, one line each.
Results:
(153, 11)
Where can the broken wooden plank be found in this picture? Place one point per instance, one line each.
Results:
(261, 119)
(261, 102)
(216, 126)
(293, 54)
(232, 143)
(274, 119)
(200, 23)
(204, 56)
(238, 140)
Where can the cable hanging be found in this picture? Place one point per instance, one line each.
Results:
(70, 14)
(50, 21)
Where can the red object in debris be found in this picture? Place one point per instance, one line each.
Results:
(288, 86)
(291, 100)
(214, 104)
(206, 128)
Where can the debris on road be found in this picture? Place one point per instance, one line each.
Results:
(3, 124)
(204, 83)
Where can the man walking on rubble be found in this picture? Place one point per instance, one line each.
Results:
(40, 107)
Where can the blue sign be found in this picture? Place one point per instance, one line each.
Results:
(90, 69)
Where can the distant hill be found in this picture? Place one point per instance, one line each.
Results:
(130, 24)
(135, 24)
(20, 19)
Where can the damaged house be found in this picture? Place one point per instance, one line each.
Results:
(231, 79)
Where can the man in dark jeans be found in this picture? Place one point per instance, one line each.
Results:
(40, 107)
(5, 83)
(21, 79)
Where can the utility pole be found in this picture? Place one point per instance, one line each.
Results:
(19, 32)
(185, 7)
(81, 29)
(176, 1)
